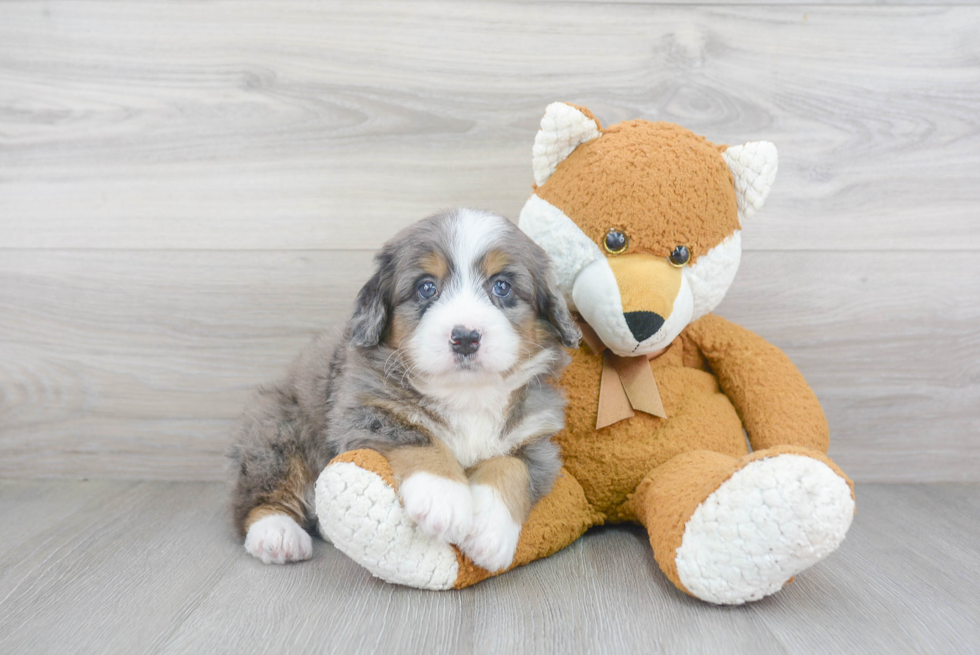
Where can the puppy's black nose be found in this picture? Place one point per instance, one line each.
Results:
(464, 341)
(643, 325)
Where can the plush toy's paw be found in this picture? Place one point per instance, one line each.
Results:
(493, 539)
(360, 513)
(441, 507)
(770, 520)
(278, 539)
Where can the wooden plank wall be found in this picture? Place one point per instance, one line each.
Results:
(188, 191)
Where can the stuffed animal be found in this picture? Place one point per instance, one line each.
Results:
(643, 223)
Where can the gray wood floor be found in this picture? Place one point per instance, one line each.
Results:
(131, 567)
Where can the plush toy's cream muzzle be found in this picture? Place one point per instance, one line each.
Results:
(637, 304)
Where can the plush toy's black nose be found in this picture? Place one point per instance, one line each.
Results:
(464, 341)
(643, 325)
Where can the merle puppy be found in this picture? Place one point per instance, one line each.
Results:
(447, 368)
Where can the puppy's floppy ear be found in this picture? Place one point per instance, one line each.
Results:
(552, 306)
(373, 307)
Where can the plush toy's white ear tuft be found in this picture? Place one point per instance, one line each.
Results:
(563, 129)
(753, 166)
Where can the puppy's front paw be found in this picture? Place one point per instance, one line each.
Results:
(439, 506)
(278, 539)
(493, 539)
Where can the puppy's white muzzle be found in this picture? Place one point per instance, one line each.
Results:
(463, 331)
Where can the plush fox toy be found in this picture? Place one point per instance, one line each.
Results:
(643, 223)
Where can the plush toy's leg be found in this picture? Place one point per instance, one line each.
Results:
(556, 521)
(729, 530)
(360, 513)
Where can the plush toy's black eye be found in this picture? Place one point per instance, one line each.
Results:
(679, 256)
(616, 241)
(427, 290)
(501, 289)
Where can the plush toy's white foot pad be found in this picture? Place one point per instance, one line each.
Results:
(362, 516)
(278, 539)
(493, 539)
(772, 519)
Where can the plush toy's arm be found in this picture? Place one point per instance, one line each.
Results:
(776, 405)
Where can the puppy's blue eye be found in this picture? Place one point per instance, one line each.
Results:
(501, 289)
(427, 290)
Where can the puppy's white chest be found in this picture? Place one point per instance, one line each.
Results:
(475, 417)
(476, 436)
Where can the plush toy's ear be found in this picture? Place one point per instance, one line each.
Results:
(753, 166)
(563, 128)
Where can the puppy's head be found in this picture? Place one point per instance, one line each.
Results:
(460, 293)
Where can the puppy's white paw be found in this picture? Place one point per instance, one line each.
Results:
(493, 538)
(278, 539)
(439, 506)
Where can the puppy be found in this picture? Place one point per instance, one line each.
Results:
(447, 368)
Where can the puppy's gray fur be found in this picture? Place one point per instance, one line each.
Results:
(355, 389)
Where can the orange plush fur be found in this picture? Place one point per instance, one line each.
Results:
(663, 186)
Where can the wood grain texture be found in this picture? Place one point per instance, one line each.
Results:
(135, 364)
(739, 3)
(297, 125)
(155, 568)
(188, 191)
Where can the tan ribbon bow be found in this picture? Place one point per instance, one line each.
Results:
(627, 384)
